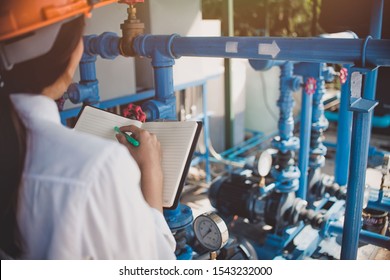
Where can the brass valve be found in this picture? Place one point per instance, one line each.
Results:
(131, 28)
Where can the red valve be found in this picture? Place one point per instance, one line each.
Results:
(131, 2)
(311, 86)
(134, 112)
(343, 75)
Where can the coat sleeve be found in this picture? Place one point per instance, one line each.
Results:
(118, 223)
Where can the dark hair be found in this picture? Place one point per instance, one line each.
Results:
(27, 77)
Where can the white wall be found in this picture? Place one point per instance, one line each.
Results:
(262, 93)
(183, 17)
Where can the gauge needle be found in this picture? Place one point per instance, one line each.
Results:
(206, 233)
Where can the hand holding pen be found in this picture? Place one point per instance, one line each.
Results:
(129, 139)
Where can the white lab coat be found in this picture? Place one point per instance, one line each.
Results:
(80, 196)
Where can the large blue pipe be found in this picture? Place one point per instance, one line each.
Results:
(356, 182)
(344, 131)
(343, 51)
(361, 133)
(305, 131)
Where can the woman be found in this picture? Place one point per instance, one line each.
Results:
(65, 194)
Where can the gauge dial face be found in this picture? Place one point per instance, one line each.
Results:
(264, 164)
(211, 231)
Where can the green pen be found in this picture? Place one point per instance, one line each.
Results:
(129, 139)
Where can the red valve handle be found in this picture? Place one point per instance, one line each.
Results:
(343, 75)
(311, 86)
(134, 112)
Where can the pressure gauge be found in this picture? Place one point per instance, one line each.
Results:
(211, 231)
(264, 164)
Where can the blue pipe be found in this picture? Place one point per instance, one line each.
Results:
(361, 132)
(287, 175)
(178, 219)
(306, 70)
(206, 129)
(319, 122)
(304, 136)
(130, 98)
(377, 121)
(383, 205)
(87, 90)
(263, 65)
(343, 51)
(376, 19)
(356, 182)
(364, 235)
(164, 104)
(158, 48)
(344, 127)
(106, 45)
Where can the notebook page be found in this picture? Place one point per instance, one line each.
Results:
(176, 141)
(101, 123)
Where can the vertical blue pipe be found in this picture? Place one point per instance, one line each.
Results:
(206, 132)
(165, 97)
(304, 136)
(376, 19)
(286, 102)
(286, 173)
(356, 182)
(163, 82)
(361, 133)
(344, 130)
(319, 122)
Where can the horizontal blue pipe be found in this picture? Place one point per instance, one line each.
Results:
(344, 51)
(384, 205)
(365, 235)
(70, 113)
(377, 121)
(135, 97)
(330, 144)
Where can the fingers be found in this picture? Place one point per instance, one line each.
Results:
(121, 139)
(131, 128)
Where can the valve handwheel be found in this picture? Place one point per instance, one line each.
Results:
(343, 75)
(134, 112)
(310, 86)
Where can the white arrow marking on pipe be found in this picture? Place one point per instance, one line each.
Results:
(269, 49)
(231, 47)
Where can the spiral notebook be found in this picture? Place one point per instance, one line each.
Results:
(178, 141)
